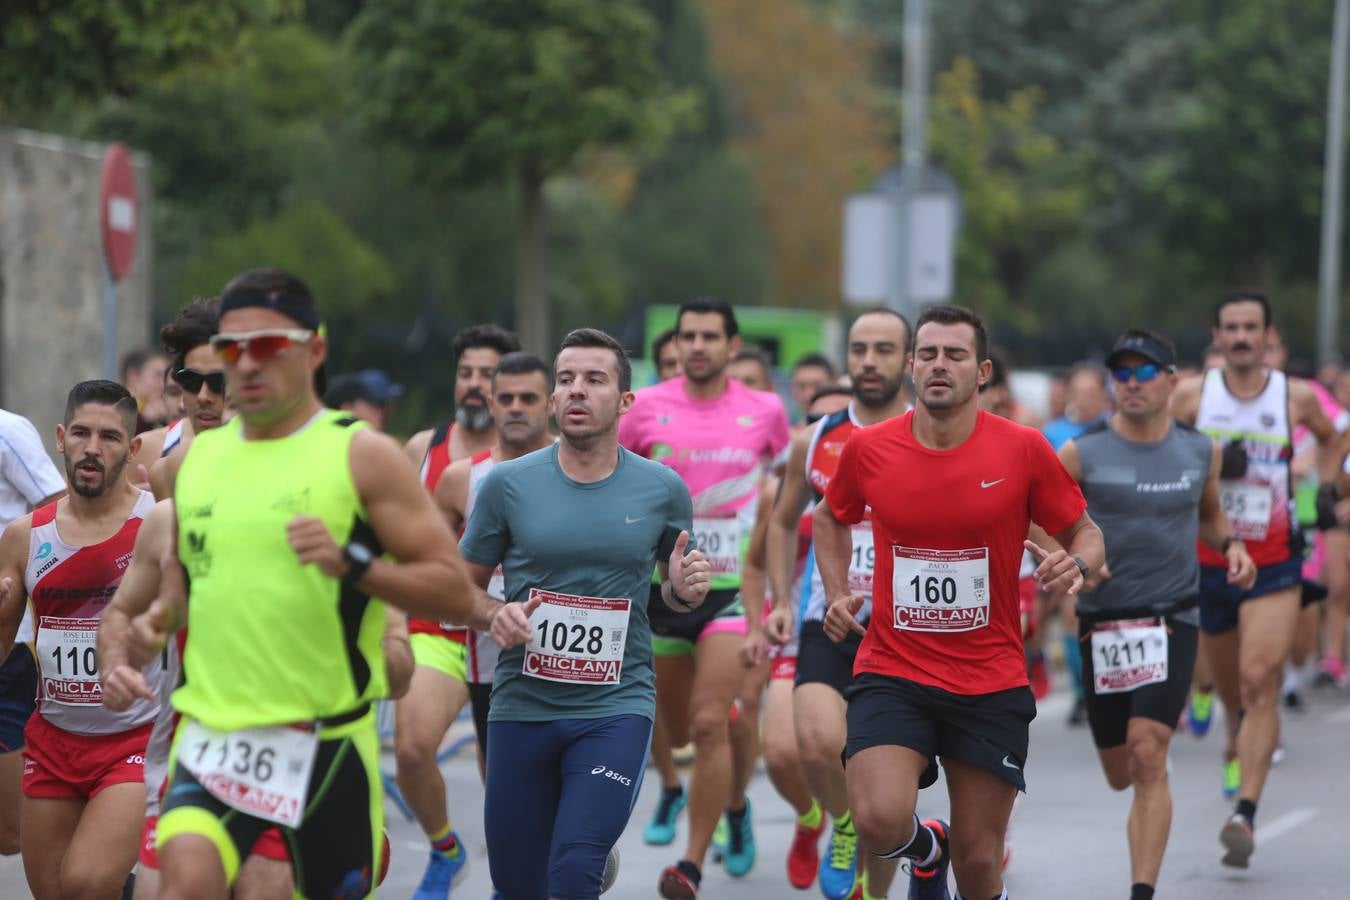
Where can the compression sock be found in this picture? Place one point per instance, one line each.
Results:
(1141, 891)
(812, 817)
(1247, 809)
(444, 843)
(923, 847)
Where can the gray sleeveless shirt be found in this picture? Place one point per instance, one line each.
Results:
(1145, 497)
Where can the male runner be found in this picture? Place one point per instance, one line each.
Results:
(282, 517)
(878, 343)
(665, 355)
(441, 685)
(940, 671)
(577, 528)
(83, 780)
(751, 367)
(1152, 486)
(1247, 634)
(809, 374)
(190, 330)
(519, 403)
(28, 481)
(718, 435)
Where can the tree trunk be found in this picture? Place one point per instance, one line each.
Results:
(533, 320)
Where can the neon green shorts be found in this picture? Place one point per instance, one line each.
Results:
(442, 654)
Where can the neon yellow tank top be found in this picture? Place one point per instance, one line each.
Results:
(271, 641)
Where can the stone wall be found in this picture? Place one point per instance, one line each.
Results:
(53, 275)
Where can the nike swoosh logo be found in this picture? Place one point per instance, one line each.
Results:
(1009, 763)
(631, 521)
(989, 484)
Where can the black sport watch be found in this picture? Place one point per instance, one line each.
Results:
(358, 557)
(1082, 566)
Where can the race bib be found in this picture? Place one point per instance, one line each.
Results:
(863, 562)
(940, 590)
(720, 541)
(577, 640)
(69, 660)
(1127, 655)
(1247, 506)
(262, 772)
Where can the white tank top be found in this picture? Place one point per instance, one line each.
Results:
(483, 650)
(69, 588)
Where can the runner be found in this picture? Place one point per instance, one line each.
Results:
(1152, 486)
(441, 685)
(259, 660)
(718, 436)
(83, 777)
(809, 374)
(519, 402)
(1252, 411)
(576, 527)
(877, 346)
(781, 758)
(665, 355)
(28, 481)
(751, 367)
(940, 671)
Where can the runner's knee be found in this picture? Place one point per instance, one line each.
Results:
(880, 822)
(709, 725)
(1148, 761)
(1259, 683)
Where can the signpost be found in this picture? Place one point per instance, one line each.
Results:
(118, 220)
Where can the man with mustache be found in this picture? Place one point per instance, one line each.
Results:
(83, 781)
(940, 671)
(878, 343)
(719, 436)
(441, 685)
(1247, 634)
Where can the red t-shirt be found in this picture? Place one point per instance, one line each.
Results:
(954, 521)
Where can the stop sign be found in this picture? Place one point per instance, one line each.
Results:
(118, 211)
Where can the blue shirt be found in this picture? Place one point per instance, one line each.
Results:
(598, 539)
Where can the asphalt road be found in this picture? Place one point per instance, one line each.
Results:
(1068, 832)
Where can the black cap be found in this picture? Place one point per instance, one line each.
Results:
(349, 389)
(1143, 345)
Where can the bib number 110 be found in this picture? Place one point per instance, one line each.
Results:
(934, 588)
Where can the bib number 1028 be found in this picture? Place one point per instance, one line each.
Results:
(933, 588)
(559, 638)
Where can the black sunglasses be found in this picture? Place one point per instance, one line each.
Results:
(191, 381)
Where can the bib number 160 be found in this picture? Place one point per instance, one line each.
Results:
(555, 636)
(934, 588)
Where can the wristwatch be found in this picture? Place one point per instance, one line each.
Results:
(1082, 566)
(358, 557)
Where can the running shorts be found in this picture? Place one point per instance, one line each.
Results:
(335, 849)
(1109, 714)
(677, 633)
(270, 845)
(435, 651)
(989, 731)
(822, 661)
(559, 795)
(1219, 601)
(58, 764)
(18, 696)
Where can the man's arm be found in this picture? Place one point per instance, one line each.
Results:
(1186, 399)
(1057, 570)
(452, 493)
(833, 542)
(416, 448)
(428, 579)
(781, 542)
(1216, 532)
(13, 592)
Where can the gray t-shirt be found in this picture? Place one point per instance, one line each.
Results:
(599, 541)
(1145, 497)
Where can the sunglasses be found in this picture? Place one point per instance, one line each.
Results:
(1143, 373)
(191, 381)
(261, 345)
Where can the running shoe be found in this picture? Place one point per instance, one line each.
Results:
(1330, 673)
(721, 834)
(443, 872)
(611, 870)
(931, 883)
(1237, 839)
(804, 854)
(739, 857)
(839, 868)
(660, 831)
(1232, 778)
(680, 881)
(1200, 713)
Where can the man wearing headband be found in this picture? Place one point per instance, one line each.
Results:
(1252, 411)
(290, 518)
(1152, 486)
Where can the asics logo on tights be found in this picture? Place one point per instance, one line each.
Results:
(612, 775)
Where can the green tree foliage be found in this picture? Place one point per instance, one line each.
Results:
(480, 90)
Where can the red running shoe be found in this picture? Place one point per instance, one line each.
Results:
(804, 855)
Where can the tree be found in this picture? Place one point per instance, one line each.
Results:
(91, 48)
(480, 90)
